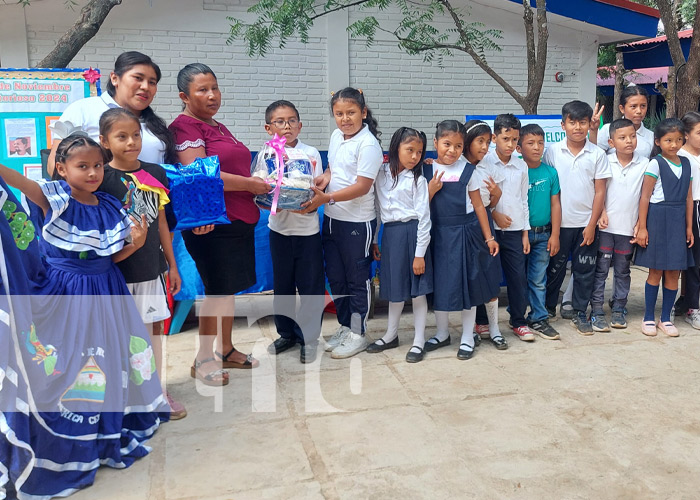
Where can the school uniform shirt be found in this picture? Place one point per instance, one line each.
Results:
(454, 172)
(645, 140)
(483, 171)
(657, 196)
(85, 114)
(406, 201)
(513, 201)
(577, 176)
(288, 223)
(623, 193)
(141, 192)
(348, 159)
(543, 184)
(694, 172)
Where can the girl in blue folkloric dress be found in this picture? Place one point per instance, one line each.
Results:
(78, 386)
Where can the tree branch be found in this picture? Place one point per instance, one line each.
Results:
(85, 28)
(340, 7)
(467, 47)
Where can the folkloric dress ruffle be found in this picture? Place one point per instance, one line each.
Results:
(78, 387)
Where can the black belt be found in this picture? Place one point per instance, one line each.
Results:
(542, 229)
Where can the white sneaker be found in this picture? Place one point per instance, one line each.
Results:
(693, 318)
(351, 345)
(337, 338)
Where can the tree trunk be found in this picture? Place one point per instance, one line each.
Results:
(671, 93)
(619, 84)
(88, 24)
(683, 92)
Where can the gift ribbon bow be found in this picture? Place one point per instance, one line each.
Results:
(277, 144)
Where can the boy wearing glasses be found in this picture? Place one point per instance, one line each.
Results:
(295, 248)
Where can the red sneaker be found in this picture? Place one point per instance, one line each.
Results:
(482, 330)
(524, 333)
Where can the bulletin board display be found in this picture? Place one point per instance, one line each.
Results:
(30, 100)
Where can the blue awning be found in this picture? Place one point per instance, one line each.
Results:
(617, 15)
(652, 54)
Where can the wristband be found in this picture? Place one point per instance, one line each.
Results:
(489, 239)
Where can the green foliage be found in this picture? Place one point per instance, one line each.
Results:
(416, 33)
(686, 10)
(653, 119)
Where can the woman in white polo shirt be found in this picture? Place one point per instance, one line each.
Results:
(132, 85)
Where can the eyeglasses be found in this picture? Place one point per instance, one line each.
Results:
(282, 123)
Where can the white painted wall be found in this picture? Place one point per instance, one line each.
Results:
(401, 89)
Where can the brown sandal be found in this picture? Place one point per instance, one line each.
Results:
(246, 365)
(209, 378)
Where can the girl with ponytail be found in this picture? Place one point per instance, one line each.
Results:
(349, 221)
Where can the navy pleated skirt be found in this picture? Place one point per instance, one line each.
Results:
(667, 249)
(397, 282)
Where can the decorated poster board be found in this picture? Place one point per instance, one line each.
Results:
(30, 100)
(551, 124)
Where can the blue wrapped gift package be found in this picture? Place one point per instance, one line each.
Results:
(196, 193)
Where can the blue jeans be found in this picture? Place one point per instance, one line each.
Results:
(537, 262)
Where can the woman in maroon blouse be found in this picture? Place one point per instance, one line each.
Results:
(225, 257)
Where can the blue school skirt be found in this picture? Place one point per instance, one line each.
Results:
(667, 249)
(397, 282)
(465, 274)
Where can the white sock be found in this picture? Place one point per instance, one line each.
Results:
(442, 321)
(492, 314)
(569, 292)
(392, 328)
(420, 315)
(468, 318)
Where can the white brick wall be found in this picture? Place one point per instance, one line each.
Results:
(401, 89)
(247, 85)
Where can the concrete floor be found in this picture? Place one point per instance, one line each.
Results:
(615, 415)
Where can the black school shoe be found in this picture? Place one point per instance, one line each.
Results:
(465, 354)
(380, 345)
(499, 342)
(414, 357)
(431, 346)
(280, 345)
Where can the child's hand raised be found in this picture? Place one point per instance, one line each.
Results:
(435, 183)
(139, 230)
(597, 113)
(493, 188)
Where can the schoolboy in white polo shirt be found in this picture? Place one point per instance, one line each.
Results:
(512, 218)
(583, 172)
(617, 224)
(296, 252)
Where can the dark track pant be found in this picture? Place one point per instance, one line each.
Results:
(583, 265)
(346, 251)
